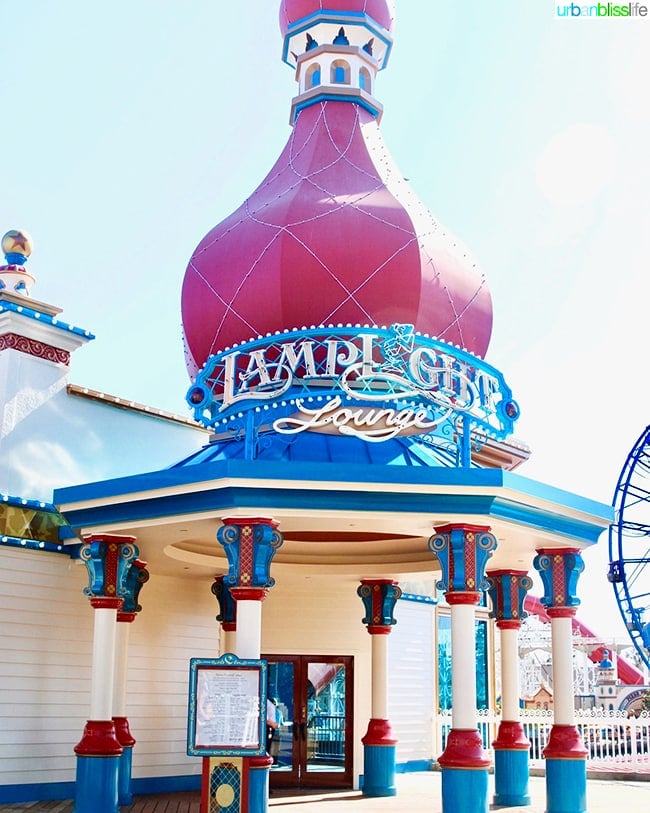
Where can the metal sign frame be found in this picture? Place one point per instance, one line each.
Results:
(227, 707)
(368, 382)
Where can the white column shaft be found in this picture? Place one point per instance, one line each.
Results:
(101, 689)
(249, 629)
(510, 675)
(562, 650)
(379, 677)
(121, 668)
(463, 667)
(228, 642)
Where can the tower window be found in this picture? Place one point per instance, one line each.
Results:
(340, 72)
(313, 76)
(365, 82)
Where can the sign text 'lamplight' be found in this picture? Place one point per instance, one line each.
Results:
(367, 382)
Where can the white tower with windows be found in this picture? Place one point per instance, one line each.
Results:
(337, 57)
(606, 689)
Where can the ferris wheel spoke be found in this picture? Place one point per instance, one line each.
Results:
(641, 603)
(644, 460)
(632, 579)
(636, 567)
(633, 530)
(636, 496)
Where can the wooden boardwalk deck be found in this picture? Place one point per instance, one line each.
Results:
(169, 803)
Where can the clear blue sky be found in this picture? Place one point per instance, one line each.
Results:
(130, 128)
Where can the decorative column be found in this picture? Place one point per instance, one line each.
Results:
(136, 577)
(108, 559)
(463, 551)
(508, 590)
(250, 545)
(565, 753)
(379, 597)
(227, 613)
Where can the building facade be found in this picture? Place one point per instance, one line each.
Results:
(343, 498)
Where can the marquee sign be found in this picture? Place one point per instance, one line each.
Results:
(367, 382)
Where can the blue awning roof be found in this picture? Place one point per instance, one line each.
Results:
(312, 447)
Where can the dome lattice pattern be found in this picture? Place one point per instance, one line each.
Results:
(333, 235)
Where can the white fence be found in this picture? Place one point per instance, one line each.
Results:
(611, 738)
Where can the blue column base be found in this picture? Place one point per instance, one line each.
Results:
(464, 790)
(124, 794)
(258, 789)
(96, 788)
(511, 771)
(379, 770)
(566, 785)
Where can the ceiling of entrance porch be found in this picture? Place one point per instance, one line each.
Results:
(356, 544)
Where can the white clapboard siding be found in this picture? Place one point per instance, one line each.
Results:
(45, 662)
(411, 665)
(301, 615)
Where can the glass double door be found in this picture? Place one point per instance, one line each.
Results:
(312, 745)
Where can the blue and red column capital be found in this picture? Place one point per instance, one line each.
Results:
(559, 570)
(463, 551)
(227, 616)
(507, 590)
(250, 545)
(379, 597)
(108, 560)
(136, 576)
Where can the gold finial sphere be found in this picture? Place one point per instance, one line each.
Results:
(17, 241)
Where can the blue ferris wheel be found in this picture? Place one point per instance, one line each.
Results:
(629, 545)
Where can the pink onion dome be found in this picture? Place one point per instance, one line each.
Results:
(293, 11)
(334, 234)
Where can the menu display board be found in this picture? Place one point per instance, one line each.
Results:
(227, 707)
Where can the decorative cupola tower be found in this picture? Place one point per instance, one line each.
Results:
(14, 278)
(27, 326)
(337, 52)
(606, 681)
(35, 348)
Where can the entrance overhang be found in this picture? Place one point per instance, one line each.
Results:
(366, 519)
